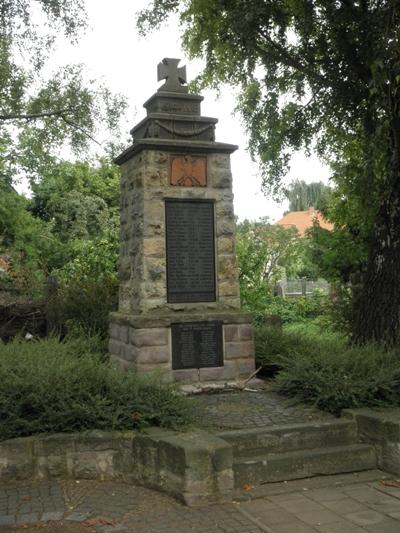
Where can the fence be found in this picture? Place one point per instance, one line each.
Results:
(301, 287)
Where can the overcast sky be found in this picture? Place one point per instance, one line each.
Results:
(112, 49)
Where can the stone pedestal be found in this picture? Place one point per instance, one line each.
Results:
(174, 156)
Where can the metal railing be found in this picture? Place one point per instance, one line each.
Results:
(295, 288)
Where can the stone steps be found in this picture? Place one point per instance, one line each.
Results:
(286, 438)
(295, 451)
(272, 467)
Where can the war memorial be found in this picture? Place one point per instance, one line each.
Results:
(179, 306)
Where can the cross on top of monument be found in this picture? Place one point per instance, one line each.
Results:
(175, 77)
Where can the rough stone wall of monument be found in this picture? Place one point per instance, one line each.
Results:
(143, 285)
(131, 234)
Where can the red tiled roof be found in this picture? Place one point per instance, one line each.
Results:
(302, 220)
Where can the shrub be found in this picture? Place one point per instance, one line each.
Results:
(338, 313)
(85, 303)
(87, 286)
(46, 387)
(335, 377)
(262, 304)
(273, 343)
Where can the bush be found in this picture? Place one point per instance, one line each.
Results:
(262, 304)
(272, 343)
(87, 286)
(334, 377)
(338, 313)
(85, 303)
(46, 387)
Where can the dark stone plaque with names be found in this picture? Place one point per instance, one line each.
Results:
(197, 344)
(190, 251)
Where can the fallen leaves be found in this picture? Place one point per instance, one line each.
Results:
(391, 483)
(98, 521)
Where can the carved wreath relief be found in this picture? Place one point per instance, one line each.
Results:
(188, 171)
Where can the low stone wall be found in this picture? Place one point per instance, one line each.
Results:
(195, 467)
(382, 429)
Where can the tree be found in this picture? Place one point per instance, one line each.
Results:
(27, 240)
(73, 214)
(40, 114)
(317, 74)
(266, 252)
(80, 199)
(302, 195)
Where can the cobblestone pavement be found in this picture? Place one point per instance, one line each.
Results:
(242, 409)
(352, 503)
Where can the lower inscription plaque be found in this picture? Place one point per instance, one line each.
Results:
(197, 344)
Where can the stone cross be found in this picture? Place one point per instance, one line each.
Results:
(175, 77)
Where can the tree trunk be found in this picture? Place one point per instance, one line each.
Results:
(377, 309)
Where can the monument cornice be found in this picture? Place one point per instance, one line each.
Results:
(175, 145)
(172, 96)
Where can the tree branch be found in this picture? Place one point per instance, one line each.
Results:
(61, 113)
(289, 60)
(33, 116)
(74, 125)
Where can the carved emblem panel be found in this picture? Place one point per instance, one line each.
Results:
(188, 171)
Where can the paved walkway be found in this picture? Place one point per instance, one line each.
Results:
(352, 503)
(242, 410)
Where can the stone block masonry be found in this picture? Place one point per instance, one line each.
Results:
(145, 342)
(177, 260)
(195, 467)
(381, 428)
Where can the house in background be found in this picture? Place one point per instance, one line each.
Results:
(302, 220)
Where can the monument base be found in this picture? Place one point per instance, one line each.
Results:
(145, 343)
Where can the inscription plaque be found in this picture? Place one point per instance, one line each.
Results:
(190, 251)
(197, 345)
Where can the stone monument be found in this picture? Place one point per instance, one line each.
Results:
(179, 306)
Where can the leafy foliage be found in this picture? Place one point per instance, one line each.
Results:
(57, 234)
(337, 254)
(46, 386)
(88, 286)
(81, 200)
(266, 253)
(27, 240)
(302, 195)
(40, 114)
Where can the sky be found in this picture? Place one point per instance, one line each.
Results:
(112, 50)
